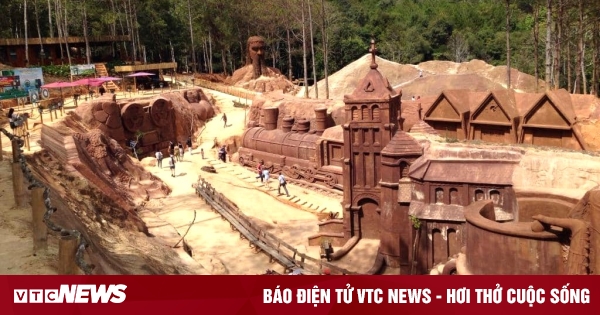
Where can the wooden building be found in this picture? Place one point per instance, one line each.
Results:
(12, 50)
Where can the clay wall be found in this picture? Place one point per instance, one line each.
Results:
(510, 248)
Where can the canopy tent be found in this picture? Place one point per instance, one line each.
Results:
(59, 85)
(139, 74)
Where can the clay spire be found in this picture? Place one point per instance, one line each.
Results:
(373, 51)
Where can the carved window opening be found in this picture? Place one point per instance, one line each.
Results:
(479, 195)
(376, 112)
(439, 246)
(404, 167)
(355, 114)
(453, 242)
(365, 112)
(439, 195)
(454, 197)
(495, 196)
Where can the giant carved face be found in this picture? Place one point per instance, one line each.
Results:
(256, 54)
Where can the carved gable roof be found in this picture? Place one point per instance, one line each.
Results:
(497, 106)
(460, 101)
(424, 128)
(491, 172)
(374, 86)
(402, 144)
(551, 108)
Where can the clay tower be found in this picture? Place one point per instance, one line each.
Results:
(371, 121)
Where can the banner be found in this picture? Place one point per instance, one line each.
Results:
(83, 69)
(29, 78)
(487, 295)
(7, 81)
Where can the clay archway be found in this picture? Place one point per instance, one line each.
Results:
(369, 218)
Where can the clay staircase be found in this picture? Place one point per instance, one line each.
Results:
(102, 72)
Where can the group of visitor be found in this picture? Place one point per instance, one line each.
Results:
(176, 153)
(264, 174)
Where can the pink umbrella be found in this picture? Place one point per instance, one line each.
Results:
(106, 79)
(139, 74)
(59, 85)
(87, 81)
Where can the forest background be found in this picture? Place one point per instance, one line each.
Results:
(556, 40)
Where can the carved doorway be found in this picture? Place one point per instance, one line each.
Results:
(369, 218)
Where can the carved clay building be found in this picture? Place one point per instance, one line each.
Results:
(442, 188)
(389, 185)
(503, 116)
(371, 121)
(548, 120)
(496, 119)
(450, 113)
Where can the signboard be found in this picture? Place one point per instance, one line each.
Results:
(7, 73)
(34, 96)
(45, 93)
(29, 78)
(7, 81)
(83, 69)
(10, 94)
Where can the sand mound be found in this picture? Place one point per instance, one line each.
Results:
(474, 75)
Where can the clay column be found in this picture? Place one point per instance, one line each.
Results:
(67, 249)
(18, 185)
(40, 230)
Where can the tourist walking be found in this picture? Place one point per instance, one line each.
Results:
(282, 183)
(202, 152)
(177, 154)
(171, 147)
(181, 151)
(159, 158)
(188, 143)
(223, 154)
(266, 178)
(259, 169)
(224, 120)
(172, 165)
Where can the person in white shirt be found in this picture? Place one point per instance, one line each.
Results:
(266, 178)
(159, 158)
